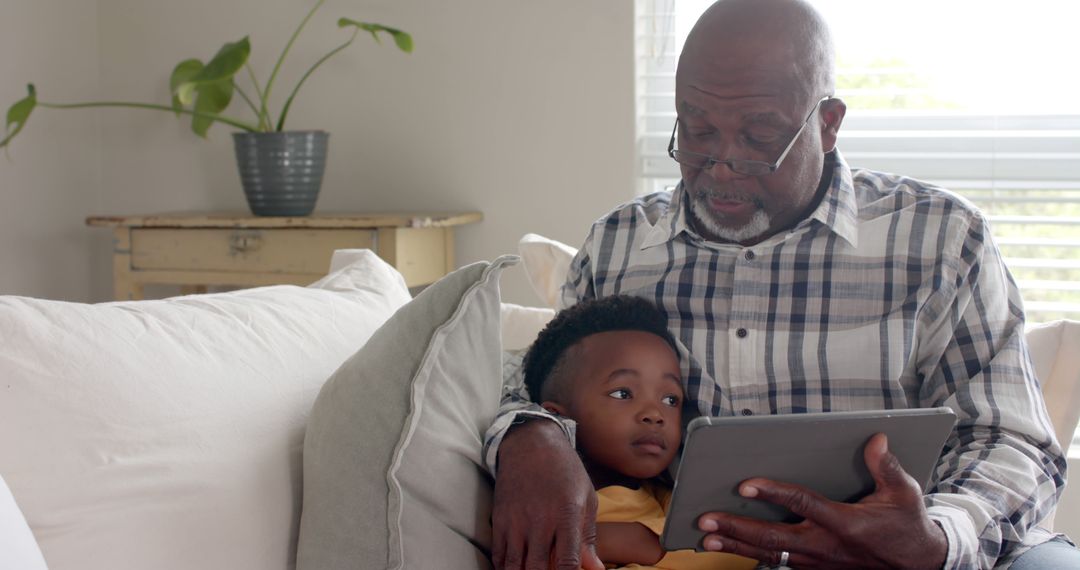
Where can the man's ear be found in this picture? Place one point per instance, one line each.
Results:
(554, 407)
(832, 115)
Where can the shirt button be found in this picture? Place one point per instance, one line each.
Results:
(747, 412)
(749, 255)
(741, 333)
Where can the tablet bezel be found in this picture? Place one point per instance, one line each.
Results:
(718, 456)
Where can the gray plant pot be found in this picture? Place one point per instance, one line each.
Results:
(281, 172)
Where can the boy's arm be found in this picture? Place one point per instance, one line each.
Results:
(627, 543)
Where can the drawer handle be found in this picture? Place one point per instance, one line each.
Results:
(244, 242)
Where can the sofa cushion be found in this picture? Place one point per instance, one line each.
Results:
(167, 434)
(521, 325)
(546, 263)
(18, 549)
(393, 476)
(1055, 353)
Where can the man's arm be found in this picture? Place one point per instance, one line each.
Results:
(1002, 470)
(516, 406)
(579, 278)
(544, 511)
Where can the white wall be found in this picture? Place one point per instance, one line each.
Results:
(51, 177)
(522, 110)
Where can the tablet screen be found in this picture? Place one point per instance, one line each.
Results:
(821, 451)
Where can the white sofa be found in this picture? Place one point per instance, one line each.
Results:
(168, 434)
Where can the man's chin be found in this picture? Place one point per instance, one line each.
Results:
(709, 224)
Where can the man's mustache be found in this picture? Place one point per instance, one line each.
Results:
(704, 194)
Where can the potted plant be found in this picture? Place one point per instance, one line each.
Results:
(281, 170)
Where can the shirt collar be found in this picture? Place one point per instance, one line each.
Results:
(671, 224)
(837, 211)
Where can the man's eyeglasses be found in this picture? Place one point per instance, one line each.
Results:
(745, 167)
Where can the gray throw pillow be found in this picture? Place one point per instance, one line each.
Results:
(393, 475)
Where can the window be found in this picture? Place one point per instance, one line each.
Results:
(978, 96)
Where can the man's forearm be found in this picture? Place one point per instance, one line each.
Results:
(998, 506)
(1002, 470)
(544, 504)
(533, 431)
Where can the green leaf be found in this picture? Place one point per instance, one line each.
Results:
(402, 39)
(18, 114)
(212, 98)
(226, 62)
(224, 65)
(182, 73)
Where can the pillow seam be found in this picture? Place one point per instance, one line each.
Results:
(419, 382)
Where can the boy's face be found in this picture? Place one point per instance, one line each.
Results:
(626, 396)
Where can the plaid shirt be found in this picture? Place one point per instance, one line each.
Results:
(891, 294)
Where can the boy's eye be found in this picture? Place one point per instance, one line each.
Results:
(620, 394)
(670, 400)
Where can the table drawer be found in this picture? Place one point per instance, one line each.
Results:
(283, 250)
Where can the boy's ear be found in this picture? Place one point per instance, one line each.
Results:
(554, 407)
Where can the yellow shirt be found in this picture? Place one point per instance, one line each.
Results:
(646, 505)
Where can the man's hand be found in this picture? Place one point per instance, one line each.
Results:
(887, 529)
(544, 514)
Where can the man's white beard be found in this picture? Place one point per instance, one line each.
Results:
(756, 227)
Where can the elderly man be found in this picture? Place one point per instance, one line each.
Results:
(797, 284)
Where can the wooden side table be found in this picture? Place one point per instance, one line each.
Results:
(195, 250)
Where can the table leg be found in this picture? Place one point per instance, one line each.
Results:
(448, 245)
(125, 287)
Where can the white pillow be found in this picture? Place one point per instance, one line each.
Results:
(1055, 353)
(546, 263)
(18, 549)
(167, 434)
(521, 325)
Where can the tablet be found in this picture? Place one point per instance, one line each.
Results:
(821, 451)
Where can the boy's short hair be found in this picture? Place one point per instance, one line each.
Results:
(545, 357)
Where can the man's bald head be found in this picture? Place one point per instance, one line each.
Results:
(786, 33)
(752, 81)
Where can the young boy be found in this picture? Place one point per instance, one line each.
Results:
(612, 366)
